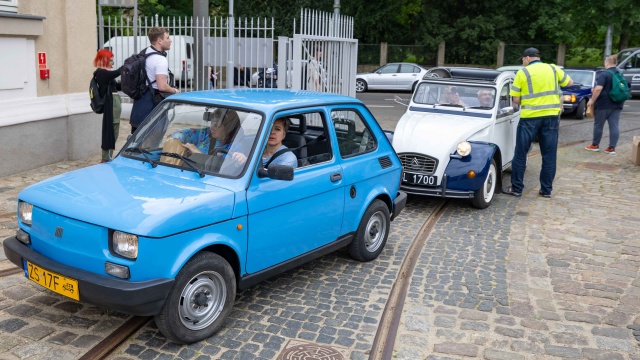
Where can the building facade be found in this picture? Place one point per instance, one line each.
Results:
(46, 119)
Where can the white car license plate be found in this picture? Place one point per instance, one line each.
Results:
(419, 179)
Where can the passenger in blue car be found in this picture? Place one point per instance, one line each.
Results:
(224, 127)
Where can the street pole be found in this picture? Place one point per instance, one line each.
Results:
(607, 42)
(230, 26)
(200, 14)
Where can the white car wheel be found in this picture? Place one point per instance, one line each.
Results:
(361, 85)
(483, 196)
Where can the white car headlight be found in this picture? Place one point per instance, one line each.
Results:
(464, 148)
(125, 245)
(25, 211)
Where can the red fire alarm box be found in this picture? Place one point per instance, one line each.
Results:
(44, 74)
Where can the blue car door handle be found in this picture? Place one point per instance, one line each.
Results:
(336, 177)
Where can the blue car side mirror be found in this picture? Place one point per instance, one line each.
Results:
(277, 172)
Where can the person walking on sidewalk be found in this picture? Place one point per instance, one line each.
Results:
(605, 108)
(157, 68)
(112, 104)
(535, 90)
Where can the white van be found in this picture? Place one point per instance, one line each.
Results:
(180, 56)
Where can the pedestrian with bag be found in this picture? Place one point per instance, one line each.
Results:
(535, 91)
(608, 99)
(112, 107)
(157, 73)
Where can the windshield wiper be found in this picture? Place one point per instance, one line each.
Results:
(186, 161)
(144, 153)
(482, 107)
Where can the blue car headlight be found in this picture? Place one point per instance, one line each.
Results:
(125, 245)
(25, 212)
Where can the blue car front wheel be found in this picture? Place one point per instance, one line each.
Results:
(199, 301)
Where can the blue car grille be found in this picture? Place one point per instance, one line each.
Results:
(418, 163)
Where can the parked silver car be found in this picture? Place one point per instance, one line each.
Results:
(392, 76)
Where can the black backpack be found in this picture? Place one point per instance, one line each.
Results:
(133, 75)
(97, 102)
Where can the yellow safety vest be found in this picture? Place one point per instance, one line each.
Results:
(538, 86)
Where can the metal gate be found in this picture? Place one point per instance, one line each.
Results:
(201, 47)
(321, 56)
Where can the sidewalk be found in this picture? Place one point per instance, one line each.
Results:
(533, 278)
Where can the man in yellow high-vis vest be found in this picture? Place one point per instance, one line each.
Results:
(535, 90)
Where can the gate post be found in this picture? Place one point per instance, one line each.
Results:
(500, 60)
(562, 48)
(282, 62)
(200, 11)
(383, 53)
(440, 61)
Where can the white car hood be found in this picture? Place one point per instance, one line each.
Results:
(436, 134)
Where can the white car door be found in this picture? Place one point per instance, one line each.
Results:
(504, 132)
(384, 78)
(407, 76)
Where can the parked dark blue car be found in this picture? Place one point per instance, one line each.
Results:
(576, 96)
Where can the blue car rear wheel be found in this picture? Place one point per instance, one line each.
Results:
(372, 232)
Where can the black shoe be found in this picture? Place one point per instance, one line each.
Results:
(548, 196)
(509, 191)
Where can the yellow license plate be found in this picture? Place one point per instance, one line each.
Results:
(55, 282)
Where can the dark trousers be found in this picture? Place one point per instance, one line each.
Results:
(546, 129)
(141, 109)
(612, 116)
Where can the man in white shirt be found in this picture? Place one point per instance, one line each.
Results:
(157, 68)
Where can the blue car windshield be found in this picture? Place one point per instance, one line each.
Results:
(461, 96)
(203, 138)
(581, 77)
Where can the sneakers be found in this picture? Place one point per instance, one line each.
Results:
(509, 191)
(592, 148)
(548, 196)
(610, 150)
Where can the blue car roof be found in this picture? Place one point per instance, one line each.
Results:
(264, 99)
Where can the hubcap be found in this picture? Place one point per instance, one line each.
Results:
(202, 300)
(375, 231)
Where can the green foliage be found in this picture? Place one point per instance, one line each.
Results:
(471, 30)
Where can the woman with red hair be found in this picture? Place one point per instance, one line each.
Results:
(112, 104)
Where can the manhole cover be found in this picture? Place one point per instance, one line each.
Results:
(599, 166)
(297, 350)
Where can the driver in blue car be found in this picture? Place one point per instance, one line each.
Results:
(224, 127)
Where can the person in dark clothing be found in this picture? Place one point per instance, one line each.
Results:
(241, 77)
(605, 109)
(112, 104)
(157, 69)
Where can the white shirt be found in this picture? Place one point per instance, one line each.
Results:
(156, 64)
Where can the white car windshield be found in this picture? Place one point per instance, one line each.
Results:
(201, 138)
(462, 96)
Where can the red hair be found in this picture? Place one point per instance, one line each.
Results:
(103, 58)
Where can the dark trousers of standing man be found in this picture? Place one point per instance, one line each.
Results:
(546, 129)
(612, 116)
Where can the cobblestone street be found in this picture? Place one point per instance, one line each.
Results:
(527, 278)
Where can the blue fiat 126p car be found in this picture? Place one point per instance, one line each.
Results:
(191, 209)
